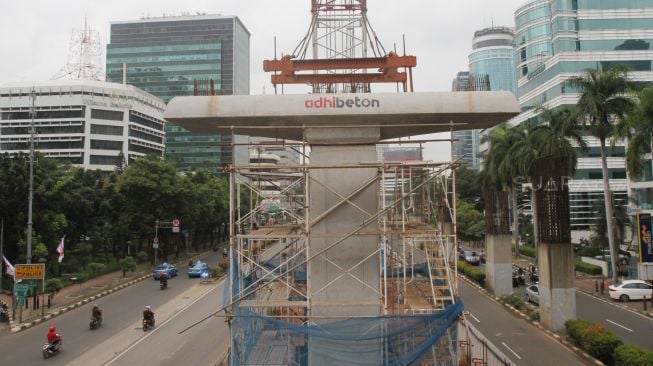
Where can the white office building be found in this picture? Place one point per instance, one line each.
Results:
(83, 123)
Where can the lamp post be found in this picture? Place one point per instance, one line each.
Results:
(31, 179)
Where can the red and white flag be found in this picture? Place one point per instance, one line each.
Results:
(60, 249)
(10, 270)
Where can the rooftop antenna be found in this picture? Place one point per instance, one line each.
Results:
(84, 57)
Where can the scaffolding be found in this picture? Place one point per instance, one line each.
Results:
(271, 293)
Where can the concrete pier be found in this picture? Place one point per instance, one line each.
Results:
(498, 266)
(556, 284)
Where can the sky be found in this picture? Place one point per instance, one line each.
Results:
(35, 34)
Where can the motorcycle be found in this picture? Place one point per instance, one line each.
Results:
(95, 323)
(147, 324)
(163, 284)
(4, 312)
(49, 350)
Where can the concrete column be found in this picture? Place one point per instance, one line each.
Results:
(498, 266)
(556, 284)
(346, 296)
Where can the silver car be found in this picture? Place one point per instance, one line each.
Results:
(472, 258)
(533, 294)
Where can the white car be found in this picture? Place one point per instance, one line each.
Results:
(630, 290)
(533, 294)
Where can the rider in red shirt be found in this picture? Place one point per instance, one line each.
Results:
(53, 337)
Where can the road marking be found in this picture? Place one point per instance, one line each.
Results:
(619, 325)
(161, 325)
(622, 307)
(510, 349)
(475, 318)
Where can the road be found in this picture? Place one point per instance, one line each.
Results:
(523, 343)
(122, 312)
(629, 326)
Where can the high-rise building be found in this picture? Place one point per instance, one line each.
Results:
(87, 123)
(467, 142)
(492, 55)
(556, 40)
(168, 57)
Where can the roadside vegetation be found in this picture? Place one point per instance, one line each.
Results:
(107, 219)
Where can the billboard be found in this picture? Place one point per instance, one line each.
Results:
(645, 237)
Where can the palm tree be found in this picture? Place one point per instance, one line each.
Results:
(603, 101)
(638, 128)
(500, 166)
(555, 134)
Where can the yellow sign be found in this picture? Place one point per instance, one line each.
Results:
(30, 271)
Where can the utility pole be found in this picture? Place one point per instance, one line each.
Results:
(2, 240)
(31, 178)
(155, 245)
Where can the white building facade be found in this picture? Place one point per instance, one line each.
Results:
(86, 123)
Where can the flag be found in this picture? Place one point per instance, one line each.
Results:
(60, 249)
(10, 269)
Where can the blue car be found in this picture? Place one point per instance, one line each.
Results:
(197, 269)
(167, 269)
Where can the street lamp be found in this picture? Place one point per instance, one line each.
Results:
(42, 260)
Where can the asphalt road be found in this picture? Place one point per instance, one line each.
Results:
(523, 343)
(122, 311)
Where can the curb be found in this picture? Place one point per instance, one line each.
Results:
(66, 308)
(526, 318)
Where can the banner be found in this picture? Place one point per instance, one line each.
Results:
(60, 249)
(10, 269)
(645, 237)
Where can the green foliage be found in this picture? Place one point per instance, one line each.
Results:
(141, 257)
(79, 277)
(631, 355)
(593, 338)
(588, 268)
(467, 187)
(472, 272)
(470, 222)
(527, 251)
(512, 300)
(535, 316)
(575, 328)
(53, 285)
(588, 251)
(127, 264)
(96, 268)
(40, 251)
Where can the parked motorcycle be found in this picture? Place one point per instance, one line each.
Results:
(50, 350)
(4, 312)
(95, 323)
(147, 324)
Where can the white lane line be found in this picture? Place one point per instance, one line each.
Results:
(475, 318)
(619, 325)
(160, 326)
(510, 349)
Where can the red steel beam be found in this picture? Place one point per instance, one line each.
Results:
(287, 65)
(339, 78)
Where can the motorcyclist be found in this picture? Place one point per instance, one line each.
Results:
(163, 279)
(148, 315)
(96, 313)
(54, 338)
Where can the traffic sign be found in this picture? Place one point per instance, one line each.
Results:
(30, 271)
(175, 225)
(21, 290)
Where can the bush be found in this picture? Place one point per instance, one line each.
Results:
(141, 257)
(594, 339)
(631, 355)
(535, 316)
(472, 272)
(527, 251)
(575, 328)
(53, 285)
(127, 264)
(588, 268)
(600, 343)
(96, 268)
(589, 252)
(512, 300)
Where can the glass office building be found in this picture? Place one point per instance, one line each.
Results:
(559, 39)
(167, 56)
(492, 55)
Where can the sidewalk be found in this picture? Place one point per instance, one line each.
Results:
(72, 296)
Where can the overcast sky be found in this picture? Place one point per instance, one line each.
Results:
(35, 34)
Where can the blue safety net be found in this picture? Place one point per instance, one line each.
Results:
(390, 340)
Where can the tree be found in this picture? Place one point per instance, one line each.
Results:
(602, 102)
(638, 128)
(127, 264)
(470, 222)
(467, 187)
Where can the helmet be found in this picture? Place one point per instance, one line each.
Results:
(95, 306)
(147, 307)
(53, 329)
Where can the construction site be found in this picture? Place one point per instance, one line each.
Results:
(347, 257)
